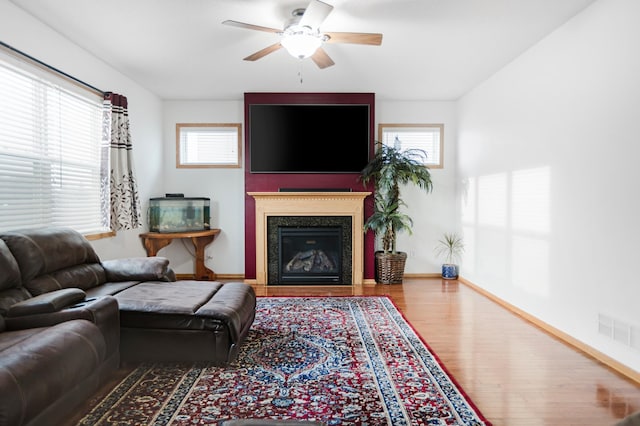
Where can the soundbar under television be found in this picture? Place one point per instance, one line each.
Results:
(308, 138)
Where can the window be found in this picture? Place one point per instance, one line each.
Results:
(208, 145)
(54, 162)
(427, 137)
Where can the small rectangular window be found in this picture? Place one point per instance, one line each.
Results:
(208, 145)
(427, 137)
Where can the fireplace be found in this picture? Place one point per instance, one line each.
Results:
(308, 209)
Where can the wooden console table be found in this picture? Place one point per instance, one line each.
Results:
(154, 241)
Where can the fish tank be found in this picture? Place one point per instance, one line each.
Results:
(179, 214)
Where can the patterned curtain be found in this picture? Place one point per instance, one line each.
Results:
(125, 201)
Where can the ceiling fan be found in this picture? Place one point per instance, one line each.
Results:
(302, 37)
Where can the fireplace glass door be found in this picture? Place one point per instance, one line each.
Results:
(310, 255)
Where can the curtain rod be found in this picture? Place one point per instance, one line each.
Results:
(49, 67)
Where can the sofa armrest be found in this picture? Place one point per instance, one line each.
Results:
(47, 303)
(102, 311)
(138, 268)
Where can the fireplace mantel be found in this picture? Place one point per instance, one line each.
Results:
(310, 204)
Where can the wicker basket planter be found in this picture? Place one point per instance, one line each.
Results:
(390, 267)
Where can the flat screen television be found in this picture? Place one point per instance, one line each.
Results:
(308, 138)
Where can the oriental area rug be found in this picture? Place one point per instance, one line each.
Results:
(337, 360)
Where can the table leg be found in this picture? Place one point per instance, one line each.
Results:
(202, 272)
(153, 245)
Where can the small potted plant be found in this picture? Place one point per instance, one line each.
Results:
(390, 168)
(450, 247)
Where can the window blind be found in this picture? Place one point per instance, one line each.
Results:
(208, 145)
(53, 159)
(427, 138)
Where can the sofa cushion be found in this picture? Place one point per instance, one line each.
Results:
(11, 292)
(181, 297)
(10, 277)
(10, 297)
(42, 365)
(54, 258)
(84, 276)
(13, 337)
(137, 268)
(110, 288)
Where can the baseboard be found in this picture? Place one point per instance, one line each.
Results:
(366, 281)
(230, 277)
(219, 277)
(592, 352)
(185, 276)
(429, 275)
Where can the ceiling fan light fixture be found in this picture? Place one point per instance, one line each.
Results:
(301, 41)
(302, 38)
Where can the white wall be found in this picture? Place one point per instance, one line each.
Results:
(225, 187)
(548, 151)
(432, 213)
(25, 33)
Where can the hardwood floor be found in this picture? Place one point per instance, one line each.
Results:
(516, 373)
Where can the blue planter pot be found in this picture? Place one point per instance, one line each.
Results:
(449, 271)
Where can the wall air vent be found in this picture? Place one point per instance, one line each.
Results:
(620, 331)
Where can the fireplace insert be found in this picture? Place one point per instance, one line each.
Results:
(310, 255)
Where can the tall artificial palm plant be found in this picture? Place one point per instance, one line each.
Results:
(389, 169)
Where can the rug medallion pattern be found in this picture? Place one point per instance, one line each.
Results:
(340, 360)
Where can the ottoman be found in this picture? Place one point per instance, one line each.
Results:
(185, 320)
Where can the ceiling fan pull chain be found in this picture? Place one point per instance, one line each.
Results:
(300, 70)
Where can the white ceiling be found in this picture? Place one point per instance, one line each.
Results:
(431, 49)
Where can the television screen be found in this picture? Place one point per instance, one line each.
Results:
(308, 138)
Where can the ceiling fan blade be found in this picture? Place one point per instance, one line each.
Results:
(321, 58)
(264, 52)
(373, 39)
(315, 14)
(250, 26)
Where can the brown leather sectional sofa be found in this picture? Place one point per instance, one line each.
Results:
(68, 319)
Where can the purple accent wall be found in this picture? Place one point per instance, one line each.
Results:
(271, 182)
